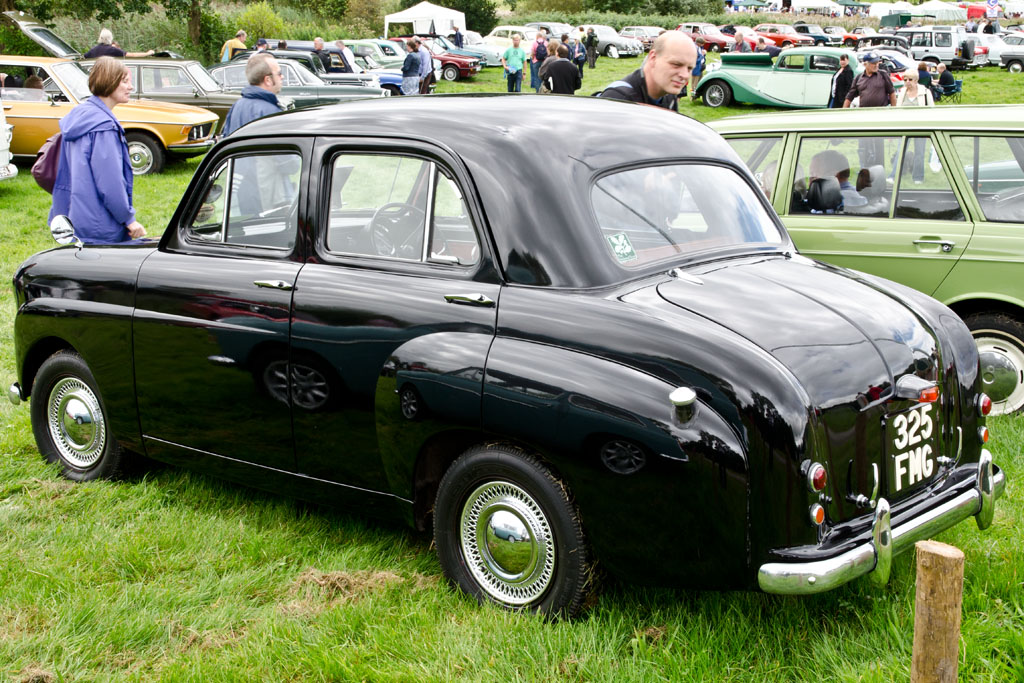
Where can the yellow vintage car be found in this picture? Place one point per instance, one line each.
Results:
(37, 92)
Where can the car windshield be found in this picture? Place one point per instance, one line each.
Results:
(605, 31)
(368, 62)
(203, 77)
(813, 28)
(663, 212)
(74, 79)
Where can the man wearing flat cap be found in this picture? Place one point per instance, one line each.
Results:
(873, 86)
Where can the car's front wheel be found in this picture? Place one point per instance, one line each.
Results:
(713, 47)
(69, 421)
(717, 94)
(1015, 66)
(145, 153)
(786, 43)
(450, 73)
(849, 42)
(1000, 340)
(508, 532)
(612, 52)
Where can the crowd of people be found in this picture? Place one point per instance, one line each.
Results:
(556, 64)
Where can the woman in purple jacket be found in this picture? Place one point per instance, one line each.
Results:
(94, 175)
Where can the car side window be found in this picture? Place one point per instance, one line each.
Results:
(288, 76)
(994, 167)
(251, 201)
(943, 40)
(794, 62)
(824, 63)
(844, 175)
(925, 191)
(761, 155)
(232, 76)
(921, 40)
(163, 79)
(395, 206)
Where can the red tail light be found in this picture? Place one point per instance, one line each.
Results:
(984, 404)
(817, 477)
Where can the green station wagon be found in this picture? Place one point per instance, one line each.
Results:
(930, 198)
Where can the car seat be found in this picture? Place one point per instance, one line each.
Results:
(871, 184)
(823, 195)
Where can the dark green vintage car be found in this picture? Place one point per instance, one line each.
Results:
(301, 85)
(931, 198)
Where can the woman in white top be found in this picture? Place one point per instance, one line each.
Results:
(912, 95)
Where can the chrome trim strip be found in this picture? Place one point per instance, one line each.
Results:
(205, 144)
(802, 578)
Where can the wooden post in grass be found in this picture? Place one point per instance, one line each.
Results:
(940, 585)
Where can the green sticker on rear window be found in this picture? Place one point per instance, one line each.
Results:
(622, 247)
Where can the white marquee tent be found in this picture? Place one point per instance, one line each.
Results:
(427, 18)
(943, 11)
(805, 5)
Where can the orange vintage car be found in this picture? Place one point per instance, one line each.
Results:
(154, 129)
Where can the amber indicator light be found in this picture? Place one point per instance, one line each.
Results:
(817, 514)
(929, 395)
(983, 434)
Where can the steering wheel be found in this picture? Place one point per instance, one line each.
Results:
(394, 227)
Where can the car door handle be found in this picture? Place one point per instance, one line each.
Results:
(274, 284)
(946, 245)
(469, 299)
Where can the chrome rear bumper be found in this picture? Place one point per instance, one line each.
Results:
(875, 556)
(14, 394)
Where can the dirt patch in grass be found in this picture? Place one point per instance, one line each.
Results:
(314, 590)
(425, 581)
(48, 489)
(33, 674)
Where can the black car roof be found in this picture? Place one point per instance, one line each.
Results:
(532, 158)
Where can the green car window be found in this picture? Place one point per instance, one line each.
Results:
(993, 165)
(761, 155)
(845, 175)
(924, 190)
(795, 62)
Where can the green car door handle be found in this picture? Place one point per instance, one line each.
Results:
(946, 245)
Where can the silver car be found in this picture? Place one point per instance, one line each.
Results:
(611, 44)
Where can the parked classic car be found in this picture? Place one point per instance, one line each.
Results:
(799, 77)
(553, 29)
(645, 34)
(179, 81)
(384, 52)
(611, 44)
(748, 34)
(489, 55)
(7, 168)
(354, 305)
(154, 129)
(502, 35)
(885, 41)
(818, 34)
(783, 35)
(949, 44)
(389, 79)
(933, 202)
(298, 84)
(313, 63)
(714, 39)
(453, 66)
(846, 39)
(1013, 60)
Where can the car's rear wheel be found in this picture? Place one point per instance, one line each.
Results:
(70, 422)
(1015, 66)
(450, 72)
(1000, 340)
(508, 532)
(612, 51)
(713, 47)
(145, 153)
(717, 94)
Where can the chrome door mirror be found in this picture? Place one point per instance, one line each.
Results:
(63, 232)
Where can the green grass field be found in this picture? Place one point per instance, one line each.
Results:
(177, 576)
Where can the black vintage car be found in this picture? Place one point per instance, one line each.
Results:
(618, 355)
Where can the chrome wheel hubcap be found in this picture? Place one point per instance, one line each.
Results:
(1002, 371)
(715, 95)
(141, 157)
(76, 423)
(507, 543)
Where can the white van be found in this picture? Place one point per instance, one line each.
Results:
(7, 169)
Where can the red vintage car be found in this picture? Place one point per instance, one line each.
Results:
(714, 39)
(453, 67)
(782, 35)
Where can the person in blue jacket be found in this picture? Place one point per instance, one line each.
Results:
(259, 98)
(93, 187)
